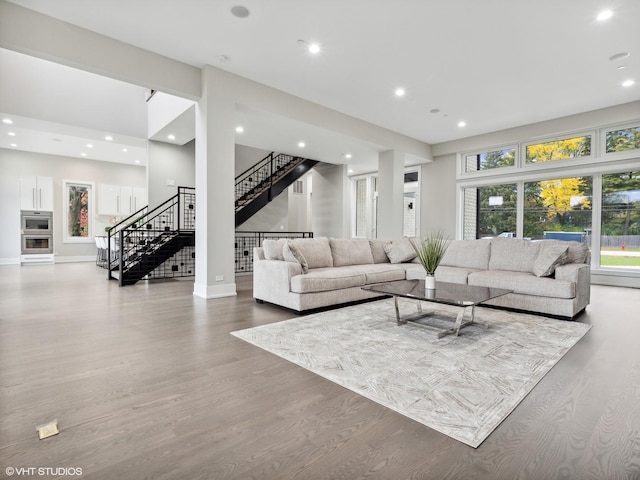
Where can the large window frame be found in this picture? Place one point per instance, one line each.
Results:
(599, 163)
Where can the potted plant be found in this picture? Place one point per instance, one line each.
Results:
(430, 252)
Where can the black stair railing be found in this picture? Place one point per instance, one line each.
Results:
(262, 175)
(263, 182)
(148, 238)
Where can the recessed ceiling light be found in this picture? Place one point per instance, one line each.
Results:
(628, 83)
(8, 121)
(434, 110)
(400, 92)
(301, 144)
(350, 170)
(108, 138)
(56, 140)
(462, 123)
(239, 129)
(171, 136)
(12, 134)
(222, 58)
(314, 48)
(604, 15)
(83, 154)
(622, 67)
(347, 155)
(125, 150)
(240, 11)
(89, 145)
(137, 161)
(619, 56)
(14, 144)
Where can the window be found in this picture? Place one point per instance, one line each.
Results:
(620, 225)
(78, 212)
(558, 149)
(558, 208)
(489, 160)
(623, 140)
(490, 211)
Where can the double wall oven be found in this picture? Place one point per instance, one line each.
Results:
(36, 228)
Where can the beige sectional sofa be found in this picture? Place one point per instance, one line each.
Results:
(550, 277)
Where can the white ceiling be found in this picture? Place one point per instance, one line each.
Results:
(495, 64)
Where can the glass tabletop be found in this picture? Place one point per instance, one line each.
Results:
(448, 293)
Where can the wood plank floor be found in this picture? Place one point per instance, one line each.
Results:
(146, 382)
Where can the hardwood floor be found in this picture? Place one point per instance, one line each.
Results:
(146, 382)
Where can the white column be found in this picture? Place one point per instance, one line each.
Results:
(215, 179)
(390, 194)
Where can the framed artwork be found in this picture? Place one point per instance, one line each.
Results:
(78, 206)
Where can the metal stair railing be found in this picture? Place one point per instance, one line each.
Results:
(133, 236)
(261, 176)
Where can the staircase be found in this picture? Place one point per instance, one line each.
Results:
(263, 182)
(161, 243)
(155, 244)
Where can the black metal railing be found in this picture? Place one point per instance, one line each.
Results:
(261, 176)
(246, 241)
(149, 232)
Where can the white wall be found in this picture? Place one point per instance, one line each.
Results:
(438, 196)
(169, 163)
(15, 164)
(330, 201)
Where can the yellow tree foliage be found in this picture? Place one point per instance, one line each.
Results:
(562, 196)
(557, 150)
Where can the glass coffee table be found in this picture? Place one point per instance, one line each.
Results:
(464, 296)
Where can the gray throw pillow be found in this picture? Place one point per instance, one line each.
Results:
(400, 251)
(273, 248)
(549, 257)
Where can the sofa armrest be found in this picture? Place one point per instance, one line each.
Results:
(272, 279)
(580, 274)
(258, 253)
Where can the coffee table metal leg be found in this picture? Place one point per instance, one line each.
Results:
(398, 320)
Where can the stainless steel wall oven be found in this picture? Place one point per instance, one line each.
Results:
(36, 230)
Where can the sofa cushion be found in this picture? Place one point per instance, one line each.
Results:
(549, 257)
(524, 283)
(377, 251)
(513, 254)
(273, 248)
(377, 273)
(309, 252)
(468, 254)
(445, 273)
(354, 251)
(400, 251)
(325, 279)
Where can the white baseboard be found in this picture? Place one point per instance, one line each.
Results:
(75, 258)
(10, 261)
(214, 291)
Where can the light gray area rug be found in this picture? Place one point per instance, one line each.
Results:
(460, 386)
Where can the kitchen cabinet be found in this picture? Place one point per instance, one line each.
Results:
(36, 193)
(120, 200)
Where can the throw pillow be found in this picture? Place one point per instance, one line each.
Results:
(316, 251)
(377, 251)
(400, 251)
(291, 253)
(355, 251)
(549, 257)
(273, 248)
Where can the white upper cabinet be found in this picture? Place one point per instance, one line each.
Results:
(36, 193)
(120, 200)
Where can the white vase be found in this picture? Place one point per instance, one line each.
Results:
(429, 282)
